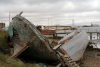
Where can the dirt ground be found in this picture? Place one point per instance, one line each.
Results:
(91, 58)
(91, 62)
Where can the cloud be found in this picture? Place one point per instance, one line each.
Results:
(57, 11)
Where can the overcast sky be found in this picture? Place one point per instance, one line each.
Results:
(52, 12)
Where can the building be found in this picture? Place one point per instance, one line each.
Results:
(2, 25)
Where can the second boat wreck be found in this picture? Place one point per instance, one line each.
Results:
(30, 44)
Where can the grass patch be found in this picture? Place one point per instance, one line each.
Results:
(3, 39)
(6, 61)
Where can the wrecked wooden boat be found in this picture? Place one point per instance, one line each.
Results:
(30, 44)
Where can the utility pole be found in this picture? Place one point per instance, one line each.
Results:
(73, 22)
(9, 16)
(48, 22)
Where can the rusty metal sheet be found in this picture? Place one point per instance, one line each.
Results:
(76, 46)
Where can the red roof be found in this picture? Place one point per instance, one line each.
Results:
(48, 31)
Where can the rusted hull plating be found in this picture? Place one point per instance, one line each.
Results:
(76, 46)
